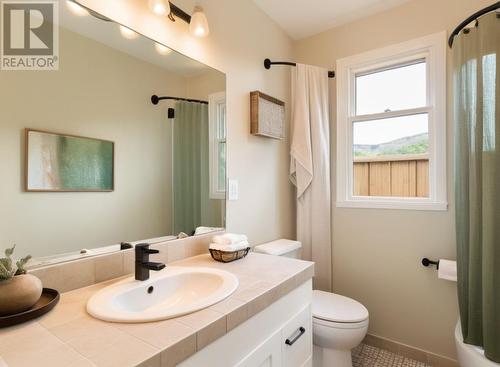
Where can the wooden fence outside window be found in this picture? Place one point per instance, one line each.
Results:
(396, 175)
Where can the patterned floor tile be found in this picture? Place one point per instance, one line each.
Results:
(368, 356)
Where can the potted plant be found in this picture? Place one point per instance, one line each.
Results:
(19, 291)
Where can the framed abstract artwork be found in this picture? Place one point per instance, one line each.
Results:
(67, 163)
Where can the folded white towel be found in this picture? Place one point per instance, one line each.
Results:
(229, 238)
(231, 247)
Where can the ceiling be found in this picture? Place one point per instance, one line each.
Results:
(301, 19)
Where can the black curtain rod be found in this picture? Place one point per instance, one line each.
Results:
(155, 99)
(472, 18)
(268, 63)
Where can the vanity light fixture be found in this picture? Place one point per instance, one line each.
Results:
(128, 33)
(76, 8)
(162, 50)
(199, 23)
(160, 7)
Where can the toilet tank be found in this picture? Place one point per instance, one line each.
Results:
(281, 247)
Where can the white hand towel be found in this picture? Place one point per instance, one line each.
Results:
(229, 238)
(231, 247)
(447, 270)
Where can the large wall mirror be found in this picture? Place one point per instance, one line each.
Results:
(90, 159)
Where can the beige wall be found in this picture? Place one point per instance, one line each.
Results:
(377, 253)
(91, 95)
(241, 37)
(200, 87)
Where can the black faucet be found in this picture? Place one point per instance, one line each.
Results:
(142, 263)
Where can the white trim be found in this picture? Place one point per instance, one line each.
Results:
(215, 100)
(433, 49)
(387, 115)
(393, 202)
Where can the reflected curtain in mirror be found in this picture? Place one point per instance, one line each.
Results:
(191, 183)
(477, 174)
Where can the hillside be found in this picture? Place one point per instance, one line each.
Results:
(415, 144)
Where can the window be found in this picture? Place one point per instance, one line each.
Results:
(217, 146)
(391, 127)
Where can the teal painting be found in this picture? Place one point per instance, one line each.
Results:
(57, 162)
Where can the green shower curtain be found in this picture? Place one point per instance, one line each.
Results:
(477, 182)
(190, 164)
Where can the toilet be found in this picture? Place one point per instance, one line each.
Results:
(339, 323)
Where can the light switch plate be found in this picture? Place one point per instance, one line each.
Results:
(233, 190)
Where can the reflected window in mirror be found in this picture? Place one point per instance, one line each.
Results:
(217, 144)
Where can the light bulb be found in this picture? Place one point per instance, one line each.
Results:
(162, 50)
(199, 23)
(160, 7)
(76, 8)
(128, 33)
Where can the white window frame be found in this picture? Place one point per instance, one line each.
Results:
(215, 100)
(433, 49)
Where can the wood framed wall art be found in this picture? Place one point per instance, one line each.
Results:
(267, 116)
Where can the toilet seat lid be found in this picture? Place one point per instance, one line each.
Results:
(336, 308)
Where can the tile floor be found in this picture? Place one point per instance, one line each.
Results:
(368, 356)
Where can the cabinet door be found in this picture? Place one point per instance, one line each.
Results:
(267, 354)
(297, 340)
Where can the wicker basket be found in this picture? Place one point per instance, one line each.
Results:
(228, 256)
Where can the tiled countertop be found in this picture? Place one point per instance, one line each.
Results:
(69, 337)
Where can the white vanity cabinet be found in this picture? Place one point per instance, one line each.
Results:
(278, 336)
(267, 354)
(289, 347)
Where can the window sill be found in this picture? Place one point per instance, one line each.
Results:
(393, 203)
(218, 196)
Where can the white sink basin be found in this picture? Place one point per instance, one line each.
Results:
(171, 292)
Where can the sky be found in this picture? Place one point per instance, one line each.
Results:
(383, 131)
(393, 89)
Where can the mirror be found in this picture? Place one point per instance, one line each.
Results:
(125, 142)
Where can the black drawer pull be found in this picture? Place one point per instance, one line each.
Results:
(301, 332)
